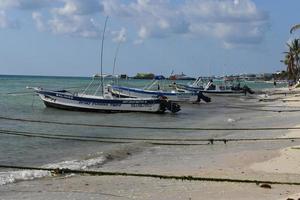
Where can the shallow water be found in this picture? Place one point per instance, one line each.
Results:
(18, 102)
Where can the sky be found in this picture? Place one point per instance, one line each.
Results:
(196, 37)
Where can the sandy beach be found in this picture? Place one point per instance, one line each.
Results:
(149, 100)
(252, 160)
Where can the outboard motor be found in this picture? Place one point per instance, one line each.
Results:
(169, 105)
(246, 90)
(203, 97)
(173, 107)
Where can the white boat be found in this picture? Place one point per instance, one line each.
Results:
(210, 88)
(107, 103)
(175, 94)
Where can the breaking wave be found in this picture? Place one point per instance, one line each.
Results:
(23, 175)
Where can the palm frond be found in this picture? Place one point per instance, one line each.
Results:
(295, 27)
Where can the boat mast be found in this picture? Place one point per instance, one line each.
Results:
(101, 58)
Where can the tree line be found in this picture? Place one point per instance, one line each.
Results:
(292, 57)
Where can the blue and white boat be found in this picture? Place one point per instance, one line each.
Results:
(102, 99)
(172, 95)
(210, 88)
(175, 94)
(106, 103)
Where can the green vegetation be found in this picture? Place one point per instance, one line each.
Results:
(295, 27)
(292, 57)
(144, 76)
(283, 75)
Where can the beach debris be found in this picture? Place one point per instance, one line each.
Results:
(109, 157)
(55, 172)
(290, 199)
(296, 148)
(265, 185)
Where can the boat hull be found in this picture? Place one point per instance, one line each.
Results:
(68, 101)
(225, 92)
(176, 96)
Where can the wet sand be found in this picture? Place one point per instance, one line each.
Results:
(263, 160)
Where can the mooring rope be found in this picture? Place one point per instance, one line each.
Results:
(153, 141)
(32, 92)
(263, 110)
(61, 171)
(150, 127)
(112, 140)
(60, 137)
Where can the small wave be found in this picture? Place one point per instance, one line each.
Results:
(23, 175)
(95, 160)
(14, 176)
(77, 164)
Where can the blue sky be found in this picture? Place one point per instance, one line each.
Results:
(197, 37)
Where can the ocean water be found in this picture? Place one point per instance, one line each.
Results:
(18, 102)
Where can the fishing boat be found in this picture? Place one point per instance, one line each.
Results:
(108, 102)
(175, 94)
(210, 88)
(102, 99)
(181, 76)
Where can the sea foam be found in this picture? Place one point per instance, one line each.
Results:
(23, 175)
(14, 176)
(77, 164)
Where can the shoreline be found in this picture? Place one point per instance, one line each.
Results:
(231, 160)
(288, 159)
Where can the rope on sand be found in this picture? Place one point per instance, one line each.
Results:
(263, 110)
(146, 175)
(153, 141)
(59, 137)
(151, 128)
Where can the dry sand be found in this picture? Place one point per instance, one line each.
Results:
(276, 161)
(288, 159)
(86, 187)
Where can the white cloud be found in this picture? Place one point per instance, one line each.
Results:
(5, 22)
(38, 19)
(5, 4)
(119, 36)
(71, 17)
(79, 7)
(74, 25)
(25, 4)
(233, 22)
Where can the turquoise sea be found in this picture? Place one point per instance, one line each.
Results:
(18, 102)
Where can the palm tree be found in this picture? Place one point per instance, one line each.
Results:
(289, 62)
(295, 27)
(295, 49)
(292, 59)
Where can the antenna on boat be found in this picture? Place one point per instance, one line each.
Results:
(101, 59)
